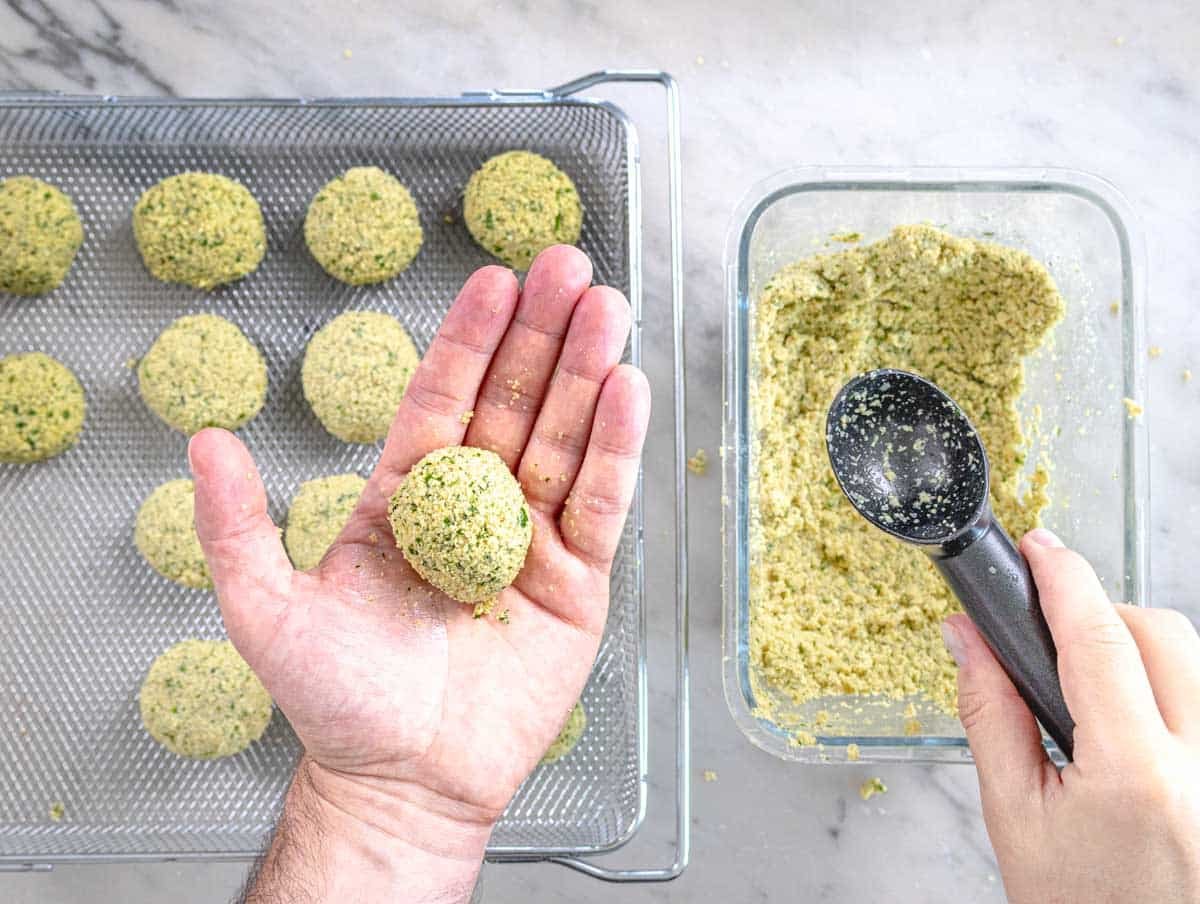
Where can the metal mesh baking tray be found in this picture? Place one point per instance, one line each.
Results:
(81, 616)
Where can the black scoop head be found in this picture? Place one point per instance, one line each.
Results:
(907, 457)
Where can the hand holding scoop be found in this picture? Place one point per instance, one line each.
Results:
(909, 461)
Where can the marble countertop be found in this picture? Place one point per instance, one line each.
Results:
(1098, 85)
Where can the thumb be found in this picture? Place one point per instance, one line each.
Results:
(1004, 736)
(250, 570)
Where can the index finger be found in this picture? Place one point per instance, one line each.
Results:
(1103, 677)
(442, 391)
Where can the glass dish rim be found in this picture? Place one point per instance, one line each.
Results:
(1093, 189)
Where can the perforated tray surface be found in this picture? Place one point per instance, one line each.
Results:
(82, 617)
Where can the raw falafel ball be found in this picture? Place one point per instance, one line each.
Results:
(201, 372)
(39, 235)
(363, 226)
(165, 535)
(355, 370)
(569, 736)
(318, 513)
(199, 229)
(201, 700)
(41, 408)
(462, 522)
(518, 204)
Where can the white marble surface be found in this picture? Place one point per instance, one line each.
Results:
(1099, 85)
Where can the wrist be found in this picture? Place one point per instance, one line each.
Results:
(404, 812)
(358, 839)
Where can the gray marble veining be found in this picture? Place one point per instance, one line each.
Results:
(1104, 86)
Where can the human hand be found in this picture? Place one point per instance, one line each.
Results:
(1122, 822)
(417, 719)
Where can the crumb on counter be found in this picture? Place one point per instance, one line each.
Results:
(871, 787)
(1132, 408)
(698, 463)
(848, 238)
(852, 753)
(710, 775)
(57, 811)
(1114, 308)
(1154, 351)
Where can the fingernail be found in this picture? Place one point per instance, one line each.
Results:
(191, 464)
(954, 643)
(1043, 537)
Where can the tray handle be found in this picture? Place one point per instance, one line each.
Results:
(682, 691)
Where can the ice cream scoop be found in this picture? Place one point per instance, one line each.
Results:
(911, 463)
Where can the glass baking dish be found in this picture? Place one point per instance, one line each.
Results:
(1080, 227)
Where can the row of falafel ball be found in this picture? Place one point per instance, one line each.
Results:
(199, 698)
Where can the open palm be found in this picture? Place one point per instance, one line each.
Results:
(395, 690)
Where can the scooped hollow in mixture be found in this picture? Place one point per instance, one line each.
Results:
(355, 371)
(40, 233)
(837, 607)
(518, 204)
(462, 522)
(42, 408)
(569, 736)
(318, 513)
(363, 226)
(201, 700)
(201, 372)
(199, 229)
(165, 535)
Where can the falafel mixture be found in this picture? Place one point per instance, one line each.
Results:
(518, 204)
(462, 522)
(363, 226)
(42, 408)
(40, 233)
(569, 736)
(201, 372)
(837, 607)
(355, 371)
(201, 700)
(318, 513)
(199, 229)
(165, 535)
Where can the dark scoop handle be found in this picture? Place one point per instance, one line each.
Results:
(991, 579)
